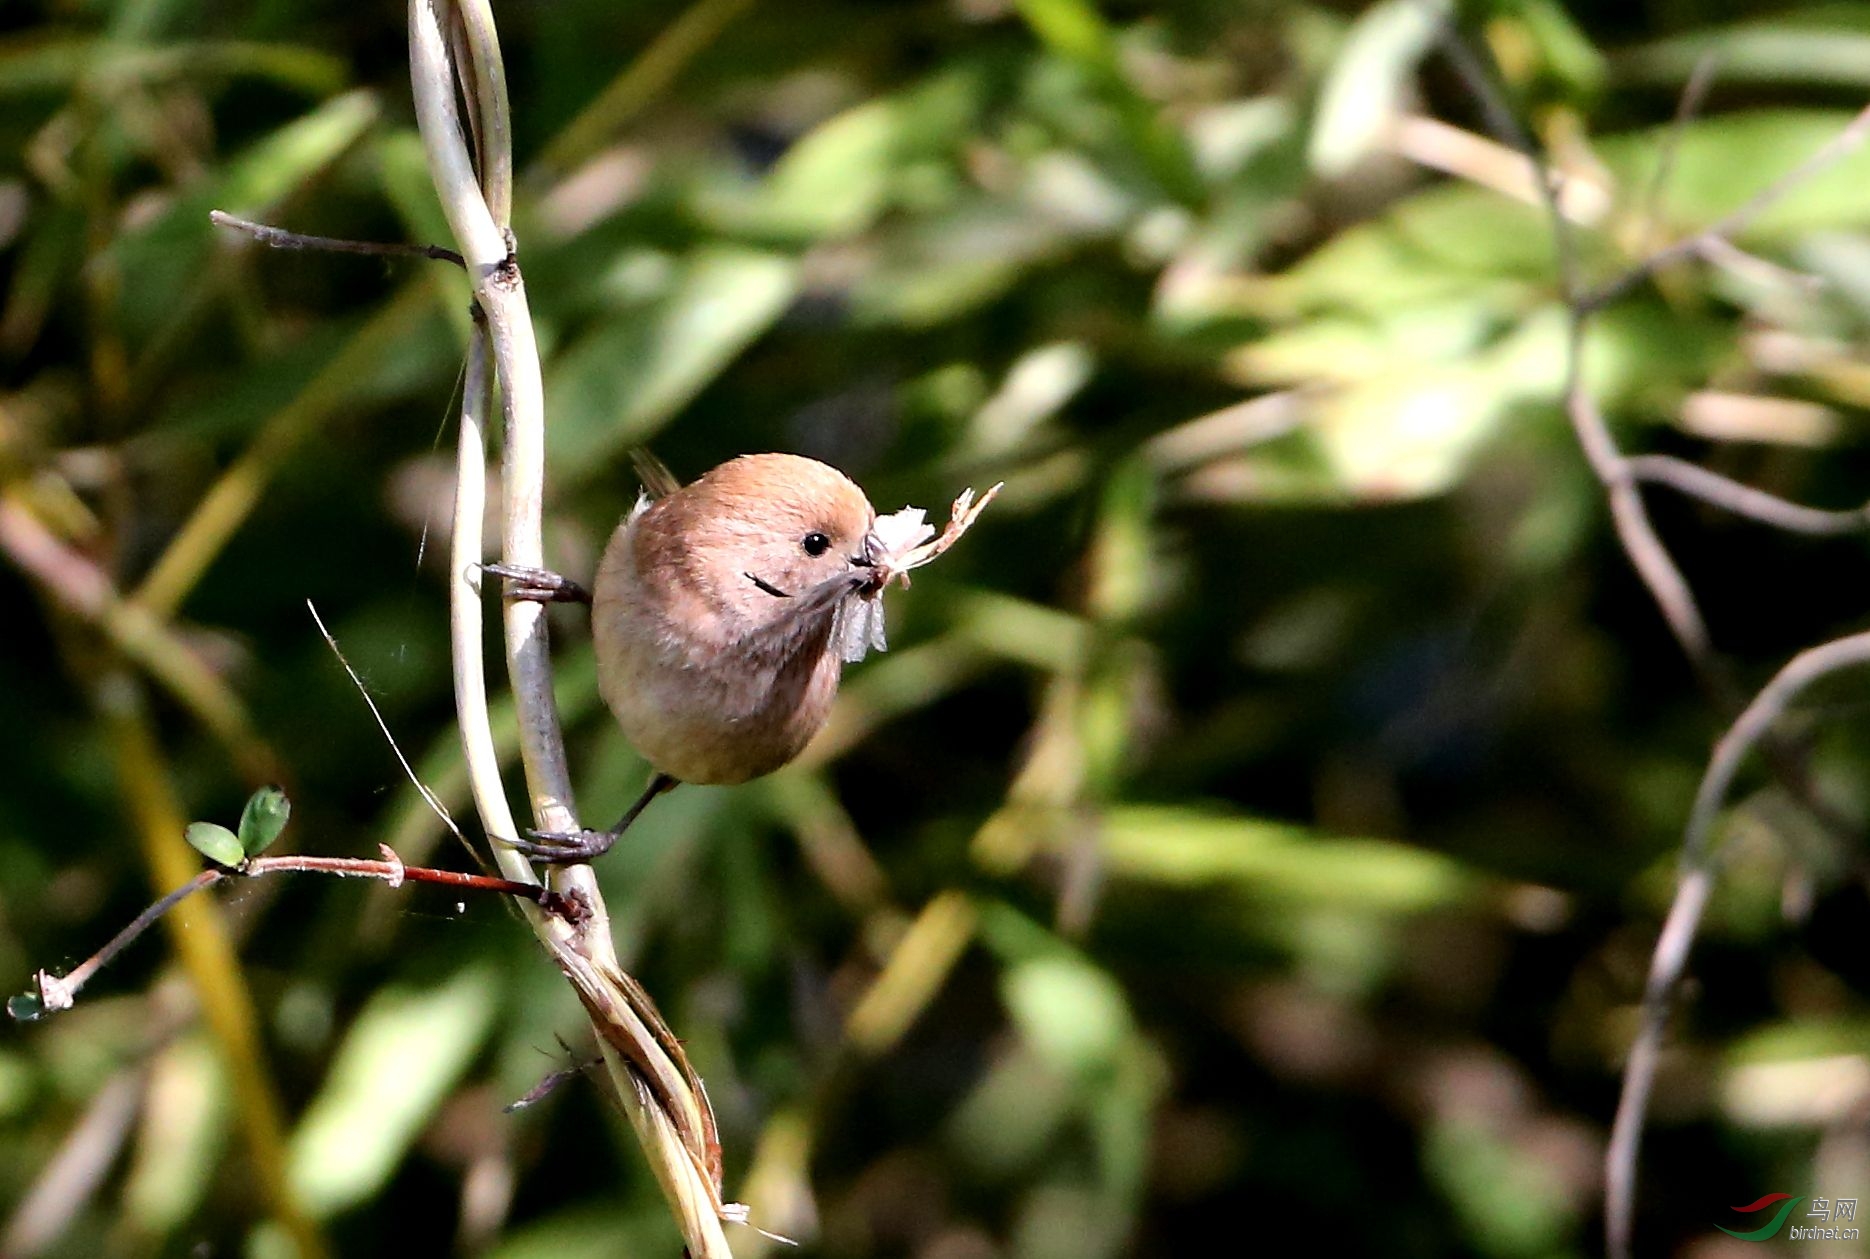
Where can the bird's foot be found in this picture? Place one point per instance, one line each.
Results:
(538, 585)
(564, 848)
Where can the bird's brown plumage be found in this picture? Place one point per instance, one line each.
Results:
(715, 615)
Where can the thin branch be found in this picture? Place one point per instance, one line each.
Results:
(1673, 595)
(1660, 574)
(1828, 155)
(1694, 95)
(204, 944)
(280, 238)
(57, 992)
(1743, 500)
(1486, 93)
(1621, 476)
(547, 1086)
(1635, 531)
(1748, 731)
(1719, 252)
(392, 871)
(1651, 559)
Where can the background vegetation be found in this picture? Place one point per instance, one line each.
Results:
(1263, 818)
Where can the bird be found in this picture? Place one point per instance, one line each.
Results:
(722, 613)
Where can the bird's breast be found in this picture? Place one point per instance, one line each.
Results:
(704, 694)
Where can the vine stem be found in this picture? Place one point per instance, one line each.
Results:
(454, 54)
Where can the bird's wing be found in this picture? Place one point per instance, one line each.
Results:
(658, 481)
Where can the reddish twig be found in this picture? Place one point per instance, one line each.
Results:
(57, 992)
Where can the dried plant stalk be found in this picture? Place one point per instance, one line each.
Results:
(455, 44)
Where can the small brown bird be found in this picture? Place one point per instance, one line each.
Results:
(722, 614)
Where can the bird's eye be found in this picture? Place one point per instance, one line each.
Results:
(816, 544)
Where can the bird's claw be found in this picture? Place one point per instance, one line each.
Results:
(537, 585)
(560, 848)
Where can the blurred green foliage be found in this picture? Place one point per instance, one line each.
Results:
(1262, 818)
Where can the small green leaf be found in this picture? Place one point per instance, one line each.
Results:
(216, 843)
(1365, 89)
(621, 383)
(25, 1007)
(403, 1056)
(262, 820)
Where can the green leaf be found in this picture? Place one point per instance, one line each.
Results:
(1568, 52)
(1453, 242)
(1072, 1014)
(403, 1054)
(186, 1118)
(1073, 29)
(1457, 242)
(1510, 1198)
(1812, 1038)
(1722, 163)
(165, 258)
(941, 269)
(838, 179)
(618, 385)
(264, 817)
(58, 64)
(1076, 31)
(216, 843)
(1193, 848)
(1013, 1116)
(833, 182)
(1755, 52)
(1363, 92)
(586, 1232)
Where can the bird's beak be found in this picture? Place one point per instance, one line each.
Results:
(866, 561)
